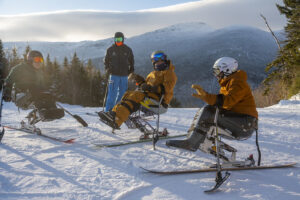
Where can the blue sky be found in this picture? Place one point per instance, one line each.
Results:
(12, 7)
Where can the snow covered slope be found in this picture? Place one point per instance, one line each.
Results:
(35, 168)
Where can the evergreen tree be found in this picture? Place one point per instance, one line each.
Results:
(286, 67)
(3, 65)
(13, 58)
(27, 49)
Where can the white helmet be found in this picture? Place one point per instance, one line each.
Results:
(226, 65)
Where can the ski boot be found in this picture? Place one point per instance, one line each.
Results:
(108, 118)
(31, 128)
(192, 143)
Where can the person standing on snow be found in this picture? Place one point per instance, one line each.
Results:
(235, 101)
(159, 82)
(31, 90)
(119, 63)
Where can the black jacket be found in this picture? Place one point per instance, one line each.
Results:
(119, 60)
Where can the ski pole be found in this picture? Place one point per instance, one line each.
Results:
(104, 100)
(1, 106)
(78, 118)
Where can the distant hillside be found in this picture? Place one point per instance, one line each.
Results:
(192, 47)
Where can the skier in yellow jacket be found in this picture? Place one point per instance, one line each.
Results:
(159, 82)
(237, 106)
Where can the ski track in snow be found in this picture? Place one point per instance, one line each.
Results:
(33, 167)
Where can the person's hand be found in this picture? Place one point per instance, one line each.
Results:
(136, 78)
(201, 94)
(6, 97)
(146, 87)
(108, 71)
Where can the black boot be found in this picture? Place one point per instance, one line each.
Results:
(108, 118)
(192, 143)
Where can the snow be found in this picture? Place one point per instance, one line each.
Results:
(33, 167)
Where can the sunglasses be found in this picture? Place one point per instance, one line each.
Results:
(157, 57)
(38, 60)
(119, 39)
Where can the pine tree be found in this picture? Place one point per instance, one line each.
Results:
(3, 65)
(286, 67)
(13, 58)
(27, 49)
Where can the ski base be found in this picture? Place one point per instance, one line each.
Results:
(222, 169)
(69, 141)
(135, 142)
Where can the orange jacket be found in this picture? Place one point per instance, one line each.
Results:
(237, 95)
(167, 78)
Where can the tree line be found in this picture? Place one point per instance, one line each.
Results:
(72, 82)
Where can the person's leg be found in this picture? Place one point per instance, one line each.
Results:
(123, 86)
(198, 135)
(130, 103)
(241, 126)
(111, 93)
(46, 107)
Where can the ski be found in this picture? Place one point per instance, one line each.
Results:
(92, 114)
(69, 141)
(203, 170)
(219, 181)
(135, 142)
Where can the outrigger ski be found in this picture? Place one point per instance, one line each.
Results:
(39, 133)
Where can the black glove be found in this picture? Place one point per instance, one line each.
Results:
(149, 88)
(6, 95)
(136, 78)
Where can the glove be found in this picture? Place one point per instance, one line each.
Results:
(6, 95)
(108, 71)
(201, 94)
(149, 88)
(136, 78)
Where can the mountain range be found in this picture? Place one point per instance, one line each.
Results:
(192, 48)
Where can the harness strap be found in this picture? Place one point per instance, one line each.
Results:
(135, 105)
(126, 106)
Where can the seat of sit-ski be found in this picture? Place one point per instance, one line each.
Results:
(154, 106)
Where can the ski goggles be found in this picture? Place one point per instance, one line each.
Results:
(38, 60)
(158, 57)
(119, 39)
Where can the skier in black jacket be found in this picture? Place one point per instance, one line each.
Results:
(119, 63)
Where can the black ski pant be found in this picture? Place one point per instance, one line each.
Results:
(241, 126)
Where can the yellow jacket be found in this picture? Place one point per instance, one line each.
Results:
(237, 95)
(167, 78)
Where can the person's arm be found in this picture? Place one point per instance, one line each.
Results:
(168, 85)
(131, 62)
(235, 93)
(9, 81)
(107, 62)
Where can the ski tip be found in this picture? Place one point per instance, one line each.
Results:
(70, 141)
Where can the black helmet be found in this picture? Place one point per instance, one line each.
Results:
(158, 55)
(32, 54)
(119, 34)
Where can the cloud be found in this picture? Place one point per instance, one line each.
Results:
(94, 25)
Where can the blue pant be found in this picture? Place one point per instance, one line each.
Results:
(116, 88)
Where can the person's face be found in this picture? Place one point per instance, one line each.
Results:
(119, 41)
(37, 62)
(159, 62)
